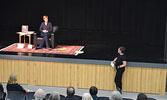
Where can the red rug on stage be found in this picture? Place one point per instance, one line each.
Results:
(59, 49)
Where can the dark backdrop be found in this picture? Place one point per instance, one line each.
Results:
(100, 25)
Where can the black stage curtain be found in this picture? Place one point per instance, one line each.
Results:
(101, 25)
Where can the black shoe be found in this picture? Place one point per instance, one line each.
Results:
(119, 90)
(38, 48)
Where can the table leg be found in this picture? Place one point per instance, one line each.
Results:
(29, 36)
(24, 40)
(29, 39)
(19, 38)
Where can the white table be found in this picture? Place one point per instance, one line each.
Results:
(25, 34)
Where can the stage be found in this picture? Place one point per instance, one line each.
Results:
(98, 51)
(69, 70)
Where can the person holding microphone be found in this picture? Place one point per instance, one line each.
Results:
(120, 64)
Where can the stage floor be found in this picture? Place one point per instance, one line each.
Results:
(59, 49)
(99, 51)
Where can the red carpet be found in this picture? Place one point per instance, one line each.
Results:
(59, 49)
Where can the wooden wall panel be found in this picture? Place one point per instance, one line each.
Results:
(55, 74)
(162, 85)
(1, 70)
(135, 79)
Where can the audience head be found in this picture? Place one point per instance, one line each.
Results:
(39, 94)
(54, 96)
(115, 95)
(70, 91)
(142, 96)
(121, 49)
(86, 96)
(93, 90)
(12, 79)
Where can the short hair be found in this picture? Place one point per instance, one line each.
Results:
(39, 94)
(54, 96)
(70, 91)
(86, 96)
(115, 95)
(122, 48)
(142, 96)
(45, 17)
(93, 90)
(12, 79)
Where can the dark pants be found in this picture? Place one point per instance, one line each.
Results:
(45, 39)
(118, 77)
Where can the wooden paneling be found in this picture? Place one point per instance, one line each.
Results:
(135, 79)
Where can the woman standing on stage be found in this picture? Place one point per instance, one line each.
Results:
(120, 64)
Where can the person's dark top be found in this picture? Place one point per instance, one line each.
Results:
(15, 87)
(94, 97)
(74, 97)
(47, 27)
(1, 88)
(2, 91)
(120, 59)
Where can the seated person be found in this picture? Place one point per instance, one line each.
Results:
(115, 95)
(142, 96)
(93, 91)
(54, 96)
(46, 29)
(70, 94)
(1, 90)
(86, 96)
(12, 84)
(40, 95)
